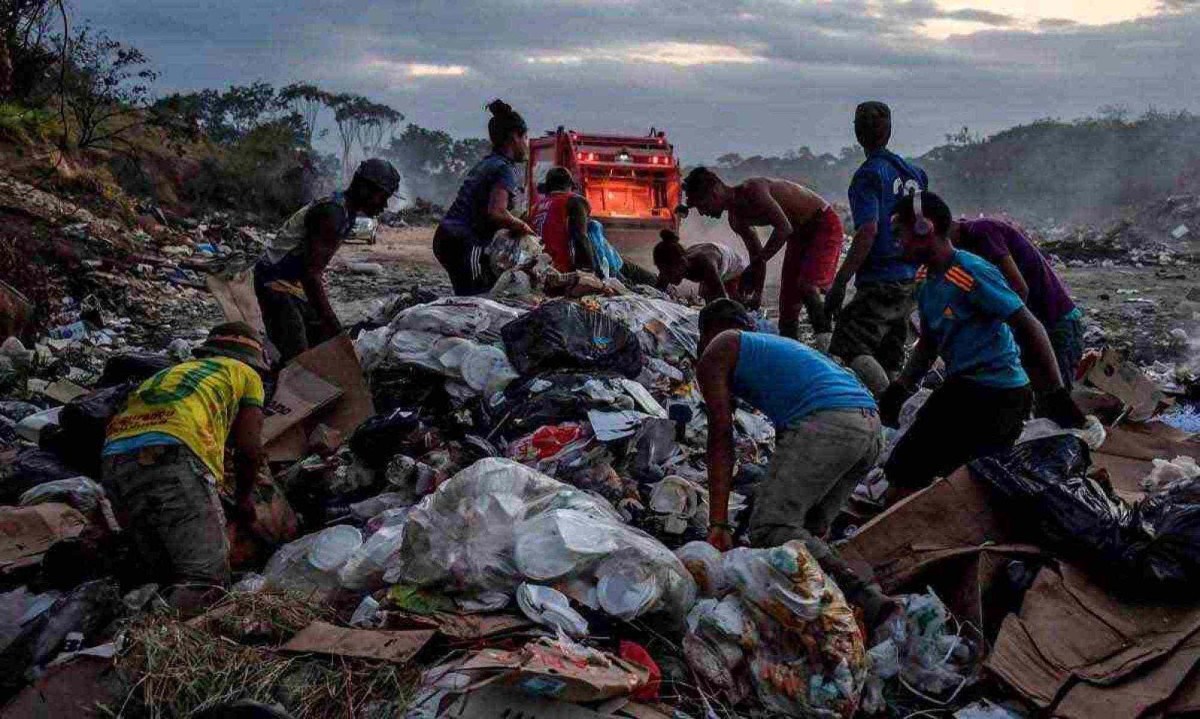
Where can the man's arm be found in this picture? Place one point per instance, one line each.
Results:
(756, 272)
(711, 286)
(247, 441)
(577, 221)
(499, 215)
(1013, 276)
(865, 192)
(323, 242)
(781, 226)
(715, 374)
(1036, 349)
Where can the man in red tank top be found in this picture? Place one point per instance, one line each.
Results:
(560, 218)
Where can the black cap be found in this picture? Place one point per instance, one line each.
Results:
(380, 173)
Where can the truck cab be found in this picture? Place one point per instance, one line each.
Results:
(631, 182)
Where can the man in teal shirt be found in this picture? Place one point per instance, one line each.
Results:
(979, 327)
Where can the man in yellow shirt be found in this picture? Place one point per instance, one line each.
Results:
(164, 457)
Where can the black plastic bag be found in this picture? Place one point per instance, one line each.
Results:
(83, 424)
(551, 398)
(1172, 520)
(565, 335)
(32, 467)
(135, 367)
(1149, 550)
(384, 436)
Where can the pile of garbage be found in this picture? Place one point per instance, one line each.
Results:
(499, 505)
(1160, 234)
(421, 213)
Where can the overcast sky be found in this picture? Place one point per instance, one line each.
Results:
(747, 76)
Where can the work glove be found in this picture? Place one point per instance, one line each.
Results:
(891, 402)
(834, 299)
(1058, 407)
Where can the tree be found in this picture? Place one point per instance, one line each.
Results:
(378, 120)
(307, 101)
(104, 86)
(349, 112)
(26, 54)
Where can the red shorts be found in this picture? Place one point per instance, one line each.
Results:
(813, 250)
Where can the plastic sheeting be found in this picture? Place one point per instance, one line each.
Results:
(564, 335)
(497, 524)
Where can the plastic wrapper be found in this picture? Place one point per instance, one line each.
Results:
(366, 565)
(1151, 550)
(1092, 433)
(79, 492)
(933, 655)
(704, 563)
(1166, 473)
(785, 630)
(564, 335)
(310, 564)
(665, 329)
(498, 523)
(509, 252)
(547, 442)
(551, 608)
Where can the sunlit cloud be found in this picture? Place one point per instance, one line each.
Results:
(679, 54)
(415, 69)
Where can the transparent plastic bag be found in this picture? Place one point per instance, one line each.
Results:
(551, 608)
(703, 561)
(665, 329)
(310, 564)
(81, 493)
(498, 523)
(365, 567)
(786, 630)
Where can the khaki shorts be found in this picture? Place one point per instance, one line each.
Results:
(168, 501)
(875, 323)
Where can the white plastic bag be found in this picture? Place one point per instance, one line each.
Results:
(551, 608)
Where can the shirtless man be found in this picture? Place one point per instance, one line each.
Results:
(799, 218)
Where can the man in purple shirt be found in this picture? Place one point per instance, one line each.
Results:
(1029, 274)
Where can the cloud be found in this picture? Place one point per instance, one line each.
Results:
(1056, 23)
(750, 76)
(983, 17)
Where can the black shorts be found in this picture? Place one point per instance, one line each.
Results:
(961, 421)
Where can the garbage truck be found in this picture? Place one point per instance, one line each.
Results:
(632, 182)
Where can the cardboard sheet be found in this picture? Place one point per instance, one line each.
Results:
(336, 363)
(298, 394)
(27, 532)
(322, 638)
(1127, 383)
(1070, 630)
(235, 296)
(542, 669)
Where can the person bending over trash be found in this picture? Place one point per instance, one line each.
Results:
(800, 219)
(560, 218)
(1029, 274)
(871, 332)
(716, 268)
(289, 277)
(164, 456)
(827, 438)
(969, 318)
(484, 204)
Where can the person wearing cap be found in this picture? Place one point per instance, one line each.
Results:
(163, 463)
(560, 218)
(289, 279)
(981, 329)
(871, 332)
(1030, 275)
(800, 220)
(484, 204)
(827, 438)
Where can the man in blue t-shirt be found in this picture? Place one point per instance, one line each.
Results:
(974, 322)
(827, 437)
(871, 332)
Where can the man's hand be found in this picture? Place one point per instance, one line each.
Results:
(1058, 407)
(834, 299)
(245, 511)
(721, 538)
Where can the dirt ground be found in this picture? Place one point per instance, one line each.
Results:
(1151, 312)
